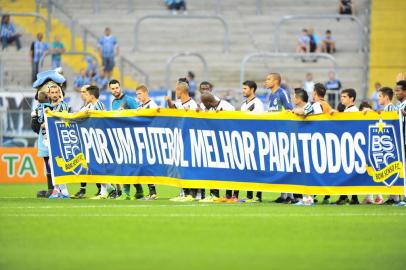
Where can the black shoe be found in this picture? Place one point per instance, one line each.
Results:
(342, 201)
(354, 202)
(119, 193)
(139, 195)
(113, 194)
(81, 194)
(289, 200)
(42, 194)
(98, 193)
(279, 200)
(390, 202)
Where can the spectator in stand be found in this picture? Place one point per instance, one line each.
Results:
(81, 80)
(8, 33)
(100, 80)
(303, 45)
(192, 84)
(57, 49)
(329, 43)
(175, 5)
(346, 7)
(374, 97)
(91, 68)
(308, 84)
(37, 51)
(108, 48)
(335, 85)
(314, 41)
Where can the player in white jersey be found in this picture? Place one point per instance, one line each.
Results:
(205, 87)
(93, 103)
(212, 104)
(147, 103)
(251, 104)
(143, 96)
(348, 97)
(400, 93)
(184, 102)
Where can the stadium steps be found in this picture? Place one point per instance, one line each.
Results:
(248, 33)
(29, 26)
(388, 46)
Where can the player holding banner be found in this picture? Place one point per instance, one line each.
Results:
(251, 104)
(147, 103)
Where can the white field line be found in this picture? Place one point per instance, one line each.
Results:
(167, 215)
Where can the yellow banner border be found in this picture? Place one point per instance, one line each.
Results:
(287, 116)
(213, 184)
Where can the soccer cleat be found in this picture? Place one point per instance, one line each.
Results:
(354, 202)
(390, 202)
(289, 200)
(342, 201)
(62, 196)
(188, 198)
(279, 200)
(367, 201)
(139, 195)
(113, 194)
(152, 197)
(99, 197)
(98, 192)
(378, 200)
(299, 203)
(233, 199)
(81, 194)
(401, 203)
(177, 199)
(209, 199)
(54, 195)
(124, 197)
(325, 201)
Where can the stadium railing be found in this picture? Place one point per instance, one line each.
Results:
(226, 35)
(248, 57)
(42, 60)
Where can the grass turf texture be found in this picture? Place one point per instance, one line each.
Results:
(108, 234)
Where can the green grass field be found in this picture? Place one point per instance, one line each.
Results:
(108, 234)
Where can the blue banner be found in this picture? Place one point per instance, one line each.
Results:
(343, 153)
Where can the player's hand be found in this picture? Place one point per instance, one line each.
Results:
(167, 98)
(332, 111)
(47, 110)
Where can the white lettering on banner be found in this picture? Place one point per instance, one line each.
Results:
(242, 150)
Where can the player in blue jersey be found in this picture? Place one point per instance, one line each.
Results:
(279, 100)
(122, 101)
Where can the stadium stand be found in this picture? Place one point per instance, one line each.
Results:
(388, 48)
(249, 32)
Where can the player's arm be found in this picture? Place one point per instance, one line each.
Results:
(285, 101)
(170, 103)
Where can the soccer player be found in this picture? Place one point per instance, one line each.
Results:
(279, 100)
(251, 104)
(400, 93)
(385, 96)
(122, 101)
(212, 104)
(205, 87)
(81, 194)
(348, 97)
(184, 102)
(147, 103)
(58, 105)
(93, 103)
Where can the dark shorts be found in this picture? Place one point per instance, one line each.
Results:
(108, 63)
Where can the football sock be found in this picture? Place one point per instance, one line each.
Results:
(138, 188)
(49, 181)
(127, 189)
(152, 189)
(250, 194)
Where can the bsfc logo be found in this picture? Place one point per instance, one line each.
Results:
(383, 153)
(70, 145)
